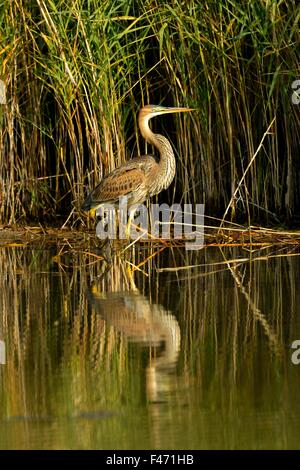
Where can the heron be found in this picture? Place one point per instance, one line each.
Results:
(141, 177)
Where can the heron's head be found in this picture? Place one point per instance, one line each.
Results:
(151, 110)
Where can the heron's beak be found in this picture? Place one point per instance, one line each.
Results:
(176, 110)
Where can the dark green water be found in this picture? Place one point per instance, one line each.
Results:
(100, 358)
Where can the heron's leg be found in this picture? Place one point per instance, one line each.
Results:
(128, 225)
(130, 278)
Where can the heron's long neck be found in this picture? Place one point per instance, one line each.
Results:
(167, 161)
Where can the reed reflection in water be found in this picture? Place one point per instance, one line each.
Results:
(101, 357)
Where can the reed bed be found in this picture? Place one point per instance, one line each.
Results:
(76, 75)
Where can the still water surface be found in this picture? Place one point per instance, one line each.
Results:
(100, 357)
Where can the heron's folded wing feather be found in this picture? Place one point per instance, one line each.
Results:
(121, 182)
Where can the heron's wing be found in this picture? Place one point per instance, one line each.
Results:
(119, 184)
(123, 181)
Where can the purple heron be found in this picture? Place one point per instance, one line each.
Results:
(141, 177)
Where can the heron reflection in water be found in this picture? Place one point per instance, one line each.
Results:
(131, 314)
(141, 177)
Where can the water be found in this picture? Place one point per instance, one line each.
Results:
(98, 356)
